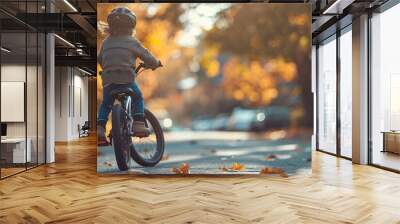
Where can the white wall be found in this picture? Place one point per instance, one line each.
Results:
(71, 102)
(33, 127)
(61, 104)
(12, 73)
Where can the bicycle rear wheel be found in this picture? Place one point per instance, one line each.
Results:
(121, 137)
(148, 151)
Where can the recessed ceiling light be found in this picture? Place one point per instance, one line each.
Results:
(337, 7)
(84, 71)
(70, 5)
(65, 41)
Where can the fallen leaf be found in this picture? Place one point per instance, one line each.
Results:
(176, 170)
(106, 163)
(213, 151)
(271, 157)
(183, 169)
(237, 167)
(223, 168)
(234, 168)
(273, 170)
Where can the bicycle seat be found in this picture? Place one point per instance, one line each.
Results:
(122, 92)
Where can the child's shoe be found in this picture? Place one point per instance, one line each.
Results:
(139, 129)
(101, 136)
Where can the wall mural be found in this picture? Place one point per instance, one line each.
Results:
(204, 88)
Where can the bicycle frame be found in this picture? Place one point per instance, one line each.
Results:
(122, 116)
(125, 101)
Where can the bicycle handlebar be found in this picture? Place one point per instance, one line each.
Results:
(142, 65)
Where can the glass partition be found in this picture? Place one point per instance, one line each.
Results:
(13, 92)
(31, 97)
(327, 95)
(22, 90)
(41, 91)
(346, 93)
(385, 89)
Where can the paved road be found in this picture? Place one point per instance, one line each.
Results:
(207, 152)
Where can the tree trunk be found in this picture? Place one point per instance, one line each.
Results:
(304, 79)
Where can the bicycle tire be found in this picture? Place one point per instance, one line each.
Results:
(120, 149)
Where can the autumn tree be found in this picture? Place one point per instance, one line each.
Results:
(256, 33)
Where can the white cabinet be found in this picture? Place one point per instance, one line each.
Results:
(16, 149)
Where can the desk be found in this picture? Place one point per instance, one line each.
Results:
(391, 141)
(13, 150)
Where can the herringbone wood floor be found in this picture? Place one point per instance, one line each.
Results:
(70, 191)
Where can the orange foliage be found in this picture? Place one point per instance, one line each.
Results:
(234, 168)
(237, 167)
(209, 60)
(299, 20)
(273, 170)
(254, 81)
(183, 169)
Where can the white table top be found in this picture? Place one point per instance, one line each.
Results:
(13, 140)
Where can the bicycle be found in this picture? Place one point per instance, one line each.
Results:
(126, 143)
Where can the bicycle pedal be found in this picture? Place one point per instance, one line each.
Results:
(141, 135)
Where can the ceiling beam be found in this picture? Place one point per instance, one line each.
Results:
(76, 61)
(84, 24)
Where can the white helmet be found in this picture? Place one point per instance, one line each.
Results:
(120, 14)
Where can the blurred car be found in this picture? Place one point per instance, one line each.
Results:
(242, 119)
(221, 122)
(202, 124)
(272, 117)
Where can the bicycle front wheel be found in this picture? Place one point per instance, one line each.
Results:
(148, 151)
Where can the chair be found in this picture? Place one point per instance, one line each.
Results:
(84, 130)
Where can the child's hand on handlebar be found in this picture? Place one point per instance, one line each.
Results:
(143, 65)
(159, 65)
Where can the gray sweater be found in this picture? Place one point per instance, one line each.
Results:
(118, 56)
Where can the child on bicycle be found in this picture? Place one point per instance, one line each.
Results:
(117, 58)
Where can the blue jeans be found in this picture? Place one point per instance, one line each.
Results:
(106, 105)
